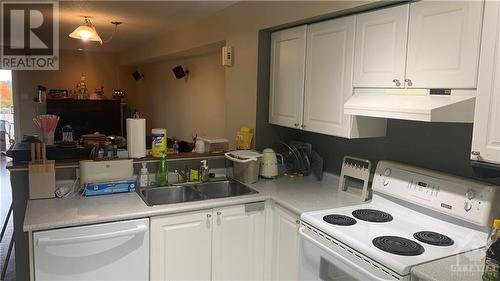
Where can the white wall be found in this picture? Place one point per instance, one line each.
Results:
(183, 107)
(238, 25)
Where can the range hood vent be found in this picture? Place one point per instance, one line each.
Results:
(412, 104)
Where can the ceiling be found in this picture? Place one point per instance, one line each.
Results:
(142, 20)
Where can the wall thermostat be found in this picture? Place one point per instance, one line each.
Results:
(227, 56)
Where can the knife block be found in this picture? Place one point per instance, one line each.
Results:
(42, 179)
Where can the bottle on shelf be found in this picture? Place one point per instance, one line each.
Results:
(492, 260)
(176, 146)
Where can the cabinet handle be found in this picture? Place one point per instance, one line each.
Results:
(408, 82)
(297, 221)
(209, 215)
(475, 153)
(219, 213)
(296, 124)
(396, 81)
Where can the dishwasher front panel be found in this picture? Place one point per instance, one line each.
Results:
(108, 251)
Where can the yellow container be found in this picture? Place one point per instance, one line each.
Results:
(159, 139)
(244, 138)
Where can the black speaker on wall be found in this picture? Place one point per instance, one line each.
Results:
(179, 72)
(137, 76)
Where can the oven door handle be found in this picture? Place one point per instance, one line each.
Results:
(339, 257)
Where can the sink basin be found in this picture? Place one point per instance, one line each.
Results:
(223, 189)
(190, 192)
(170, 195)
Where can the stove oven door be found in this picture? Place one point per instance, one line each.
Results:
(319, 262)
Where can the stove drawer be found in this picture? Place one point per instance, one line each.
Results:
(321, 262)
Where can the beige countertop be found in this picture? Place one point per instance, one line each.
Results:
(464, 267)
(298, 195)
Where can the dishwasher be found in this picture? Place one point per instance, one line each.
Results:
(108, 251)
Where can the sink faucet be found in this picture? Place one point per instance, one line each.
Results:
(183, 176)
(204, 171)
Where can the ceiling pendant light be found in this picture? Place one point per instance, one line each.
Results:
(86, 32)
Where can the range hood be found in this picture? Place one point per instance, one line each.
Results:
(413, 104)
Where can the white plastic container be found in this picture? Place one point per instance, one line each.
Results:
(245, 165)
(215, 144)
(101, 171)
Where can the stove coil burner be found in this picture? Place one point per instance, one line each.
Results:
(372, 215)
(433, 238)
(339, 220)
(398, 245)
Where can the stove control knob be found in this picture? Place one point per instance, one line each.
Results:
(386, 181)
(470, 194)
(467, 205)
(387, 172)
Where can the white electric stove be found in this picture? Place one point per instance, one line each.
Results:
(415, 216)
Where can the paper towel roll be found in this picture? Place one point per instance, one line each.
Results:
(136, 137)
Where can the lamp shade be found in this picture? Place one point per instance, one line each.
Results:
(86, 32)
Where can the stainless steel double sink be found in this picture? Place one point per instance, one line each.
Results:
(190, 192)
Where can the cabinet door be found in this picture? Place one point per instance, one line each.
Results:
(328, 84)
(181, 246)
(238, 244)
(380, 50)
(288, 51)
(443, 44)
(285, 245)
(486, 136)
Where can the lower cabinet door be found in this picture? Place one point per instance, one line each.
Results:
(181, 246)
(285, 252)
(238, 243)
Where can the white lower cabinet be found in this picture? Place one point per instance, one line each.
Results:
(220, 244)
(238, 247)
(181, 246)
(285, 245)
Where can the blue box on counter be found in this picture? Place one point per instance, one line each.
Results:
(103, 188)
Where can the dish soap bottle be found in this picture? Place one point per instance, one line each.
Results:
(162, 173)
(492, 261)
(143, 176)
(204, 171)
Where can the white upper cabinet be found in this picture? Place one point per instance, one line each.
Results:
(181, 247)
(328, 81)
(443, 44)
(486, 136)
(238, 243)
(380, 50)
(288, 48)
(324, 54)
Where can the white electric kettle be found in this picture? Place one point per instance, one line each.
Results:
(269, 164)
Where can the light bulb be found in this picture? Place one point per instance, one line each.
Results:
(85, 35)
